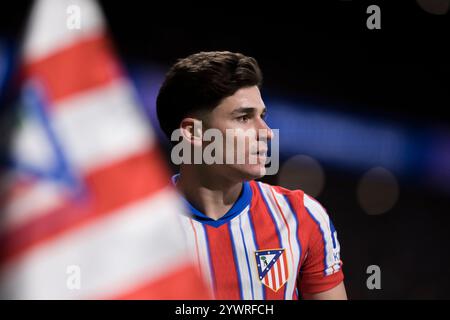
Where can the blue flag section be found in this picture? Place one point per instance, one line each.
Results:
(36, 129)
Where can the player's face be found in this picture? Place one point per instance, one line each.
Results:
(243, 115)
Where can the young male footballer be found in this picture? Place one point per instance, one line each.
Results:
(251, 240)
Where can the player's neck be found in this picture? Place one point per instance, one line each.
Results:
(212, 196)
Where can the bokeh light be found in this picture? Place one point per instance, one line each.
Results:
(377, 191)
(302, 172)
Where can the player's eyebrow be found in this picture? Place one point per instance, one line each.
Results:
(247, 110)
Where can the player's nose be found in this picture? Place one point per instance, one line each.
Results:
(264, 130)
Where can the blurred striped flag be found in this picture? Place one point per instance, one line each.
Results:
(87, 207)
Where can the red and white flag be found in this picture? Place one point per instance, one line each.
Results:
(88, 211)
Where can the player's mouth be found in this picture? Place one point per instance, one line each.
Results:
(260, 155)
(262, 152)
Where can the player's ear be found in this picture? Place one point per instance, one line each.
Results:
(192, 130)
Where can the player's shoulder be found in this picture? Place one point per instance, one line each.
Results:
(297, 198)
(264, 186)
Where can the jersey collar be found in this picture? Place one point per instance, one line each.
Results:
(241, 203)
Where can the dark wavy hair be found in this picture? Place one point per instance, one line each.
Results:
(200, 82)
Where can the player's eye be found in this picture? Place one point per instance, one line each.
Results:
(243, 118)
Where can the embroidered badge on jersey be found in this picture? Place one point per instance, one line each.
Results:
(272, 267)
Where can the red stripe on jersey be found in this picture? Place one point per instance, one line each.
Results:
(274, 276)
(308, 226)
(271, 277)
(280, 276)
(285, 223)
(108, 189)
(265, 232)
(295, 199)
(222, 259)
(294, 295)
(84, 65)
(181, 284)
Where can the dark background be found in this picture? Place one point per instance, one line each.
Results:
(325, 56)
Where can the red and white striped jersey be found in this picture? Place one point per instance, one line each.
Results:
(273, 243)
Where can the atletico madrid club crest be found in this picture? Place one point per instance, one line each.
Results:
(273, 269)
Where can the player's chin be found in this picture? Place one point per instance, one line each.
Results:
(252, 171)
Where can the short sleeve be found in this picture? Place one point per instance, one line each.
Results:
(321, 269)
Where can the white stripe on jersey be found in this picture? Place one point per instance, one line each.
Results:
(283, 274)
(242, 240)
(319, 214)
(277, 277)
(194, 230)
(250, 243)
(292, 253)
(245, 275)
